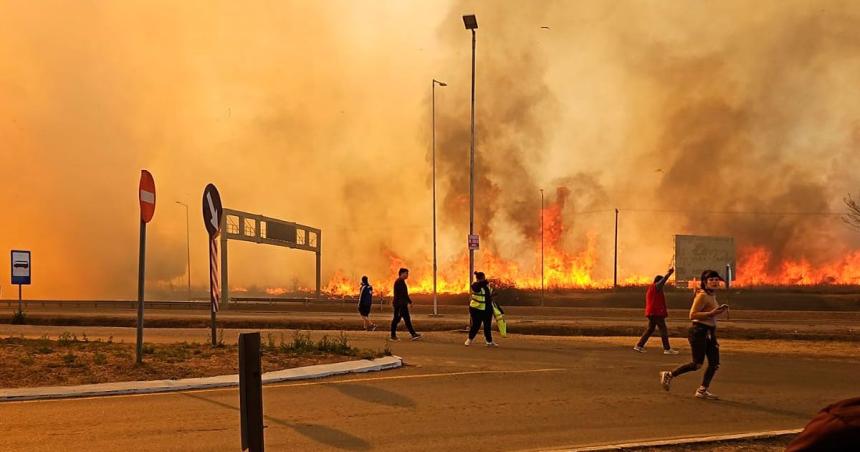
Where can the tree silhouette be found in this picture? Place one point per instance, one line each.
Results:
(852, 218)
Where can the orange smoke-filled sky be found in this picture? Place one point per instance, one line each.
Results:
(318, 112)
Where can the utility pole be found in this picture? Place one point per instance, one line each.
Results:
(471, 24)
(615, 266)
(541, 250)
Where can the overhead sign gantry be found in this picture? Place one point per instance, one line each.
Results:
(249, 227)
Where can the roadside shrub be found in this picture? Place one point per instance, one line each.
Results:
(301, 344)
(66, 338)
(19, 318)
(43, 346)
(338, 345)
(99, 358)
(69, 358)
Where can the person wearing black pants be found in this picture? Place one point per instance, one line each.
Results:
(481, 310)
(401, 304)
(702, 336)
(655, 310)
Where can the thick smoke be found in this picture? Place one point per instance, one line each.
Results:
(673, 112)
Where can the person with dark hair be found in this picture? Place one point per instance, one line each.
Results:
(702, 335)
(401, 304)
(481, 310)
(655, 310)
(365, 301)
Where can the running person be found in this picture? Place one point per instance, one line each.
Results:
(655, 310)
(401, 304)
(365, 301)
(702, 335)
(481, 310)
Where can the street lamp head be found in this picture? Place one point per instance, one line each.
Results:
(470, 21)
(439, 83)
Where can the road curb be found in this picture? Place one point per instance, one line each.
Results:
(188, 384)
(681, 441)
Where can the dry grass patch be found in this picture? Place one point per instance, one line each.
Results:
(72, 360)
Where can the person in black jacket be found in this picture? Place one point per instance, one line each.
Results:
(365, 301)
(401, 304)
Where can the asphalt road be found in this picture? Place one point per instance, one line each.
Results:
(531, 393)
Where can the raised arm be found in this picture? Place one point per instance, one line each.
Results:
(665, 279)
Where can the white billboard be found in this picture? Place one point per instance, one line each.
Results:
(695, 254)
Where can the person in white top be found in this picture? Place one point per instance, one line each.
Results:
(702, 335)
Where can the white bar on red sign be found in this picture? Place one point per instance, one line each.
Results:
(147, 197)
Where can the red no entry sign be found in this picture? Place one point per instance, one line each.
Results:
(146, 193)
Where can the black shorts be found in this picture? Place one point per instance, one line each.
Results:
(364, 309)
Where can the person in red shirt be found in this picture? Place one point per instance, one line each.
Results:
(655, 310)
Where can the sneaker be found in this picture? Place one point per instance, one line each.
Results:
(373, 328)
(671, 351)
(394, 339)
(492, 344)
(639, 349)
(416, 337)
(703, 393)
(468, 342)
(665, 379)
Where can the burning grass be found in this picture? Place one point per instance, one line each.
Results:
(73, 360)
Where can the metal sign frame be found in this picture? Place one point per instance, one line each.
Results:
(21, 280)
(249, 227)
(712, 252)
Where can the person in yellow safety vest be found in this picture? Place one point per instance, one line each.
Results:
(481, 309)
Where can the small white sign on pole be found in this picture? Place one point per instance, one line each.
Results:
(474, 242)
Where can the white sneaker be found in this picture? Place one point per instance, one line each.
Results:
(703, 393)
(639, 349)
(468, 342)
(416, 337)
(492, 344)
(671, 351)
(665, 379)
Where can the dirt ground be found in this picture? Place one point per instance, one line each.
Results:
(72, 360)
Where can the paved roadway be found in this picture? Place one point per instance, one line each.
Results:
(531, 393)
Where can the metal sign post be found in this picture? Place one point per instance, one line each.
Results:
(212, 214)
(251, 392)
(146, 196)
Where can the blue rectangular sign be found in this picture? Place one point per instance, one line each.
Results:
(21, 267)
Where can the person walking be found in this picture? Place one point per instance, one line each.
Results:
(481, 310)
(702, 335)
(365, 302)
(401, 304)
(655, 310)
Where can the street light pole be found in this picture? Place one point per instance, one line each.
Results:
(471, 23)
(187, 246)
(541, 249)
(433, 89)
(615, 263)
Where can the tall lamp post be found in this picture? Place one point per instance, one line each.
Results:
(471, 23)
(433, 89)
(187, 246)
(541, 249)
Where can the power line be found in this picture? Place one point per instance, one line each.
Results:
(733, 212)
